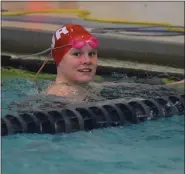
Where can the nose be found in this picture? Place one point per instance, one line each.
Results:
(86, 59)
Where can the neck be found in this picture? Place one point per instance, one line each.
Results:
(62, 80)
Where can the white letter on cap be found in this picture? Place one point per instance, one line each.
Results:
(61, 31)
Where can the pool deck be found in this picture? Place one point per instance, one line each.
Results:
(33, 33)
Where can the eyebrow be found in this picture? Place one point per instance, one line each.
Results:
(75, 49)
(93, 50)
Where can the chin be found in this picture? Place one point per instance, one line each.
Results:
(84, 80)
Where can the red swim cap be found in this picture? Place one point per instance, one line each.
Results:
(65, 37)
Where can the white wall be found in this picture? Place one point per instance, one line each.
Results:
(171, 12)
(41, 5)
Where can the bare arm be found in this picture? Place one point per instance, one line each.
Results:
(178, 82)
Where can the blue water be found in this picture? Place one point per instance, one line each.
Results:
(154, 147)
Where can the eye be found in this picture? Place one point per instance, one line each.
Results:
(76, 54)
(93, 53)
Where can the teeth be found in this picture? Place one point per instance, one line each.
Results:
(85, 70)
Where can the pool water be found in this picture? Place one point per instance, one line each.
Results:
(152, 147)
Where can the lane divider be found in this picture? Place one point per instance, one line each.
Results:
(95, 115)
(84, 14)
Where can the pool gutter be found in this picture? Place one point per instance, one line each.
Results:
(106, 67)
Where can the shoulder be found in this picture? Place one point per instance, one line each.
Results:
(103, 84)
(56, 89)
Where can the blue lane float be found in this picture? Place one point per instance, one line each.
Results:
(85, 117)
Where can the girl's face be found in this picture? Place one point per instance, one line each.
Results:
(79, 65)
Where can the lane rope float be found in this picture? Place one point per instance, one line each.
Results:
(85, 117)
(84, 14)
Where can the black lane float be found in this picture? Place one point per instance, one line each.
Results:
(78, 117)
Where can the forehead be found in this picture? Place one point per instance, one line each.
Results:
(86, 48)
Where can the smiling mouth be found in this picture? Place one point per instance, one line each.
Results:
(85, 70)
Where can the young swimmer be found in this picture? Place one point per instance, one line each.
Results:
(74, 50)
